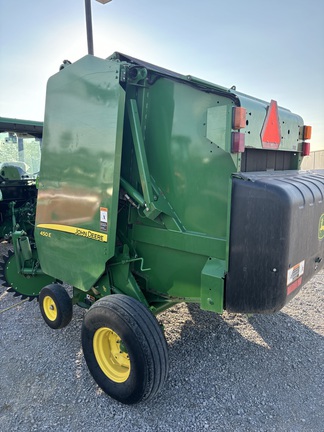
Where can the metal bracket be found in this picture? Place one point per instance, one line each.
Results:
(212, 285)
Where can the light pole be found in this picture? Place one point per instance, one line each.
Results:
(87, 4)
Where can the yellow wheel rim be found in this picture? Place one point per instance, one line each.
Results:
(49, 307)
(111, 355)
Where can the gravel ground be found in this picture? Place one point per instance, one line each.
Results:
(229, 372)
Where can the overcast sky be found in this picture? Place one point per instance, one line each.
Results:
(270, 49)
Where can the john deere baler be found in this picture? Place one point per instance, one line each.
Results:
(157, 188)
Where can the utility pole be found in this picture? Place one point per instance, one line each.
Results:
(87, 4)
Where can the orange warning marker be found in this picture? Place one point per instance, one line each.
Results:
(270, 134)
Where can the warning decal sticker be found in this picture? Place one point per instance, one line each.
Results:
(295, 272)
(103, 219)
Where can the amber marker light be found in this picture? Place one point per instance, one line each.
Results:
(307, 133)
(239, 118)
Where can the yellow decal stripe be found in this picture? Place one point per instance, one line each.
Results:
(93, 235)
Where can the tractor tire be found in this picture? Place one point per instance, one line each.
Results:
(55, 305)
(125, 349)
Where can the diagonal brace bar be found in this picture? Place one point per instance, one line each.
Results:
(141, 159)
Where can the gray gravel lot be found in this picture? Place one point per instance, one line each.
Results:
(229, 372)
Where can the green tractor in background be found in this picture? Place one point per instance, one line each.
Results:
(157, 188)
(20, 147)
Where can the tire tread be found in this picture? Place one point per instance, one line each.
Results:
(149, 334)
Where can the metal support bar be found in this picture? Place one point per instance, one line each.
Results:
(138, 140)
(28, 271)
(21, 149)
(155, 203)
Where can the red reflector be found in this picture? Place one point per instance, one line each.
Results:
(306, 149)
(239, 118)
(294, 285)
(238, 142)
(271, 135)
(307, 134)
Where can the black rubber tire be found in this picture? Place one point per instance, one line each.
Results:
(62, 303)
(143, 339)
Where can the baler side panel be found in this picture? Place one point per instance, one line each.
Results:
(192, 173)
(80, 171)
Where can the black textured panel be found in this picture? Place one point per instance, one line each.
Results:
(275, 225)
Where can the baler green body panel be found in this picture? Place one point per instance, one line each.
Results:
(192, 174)
(79, 179)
